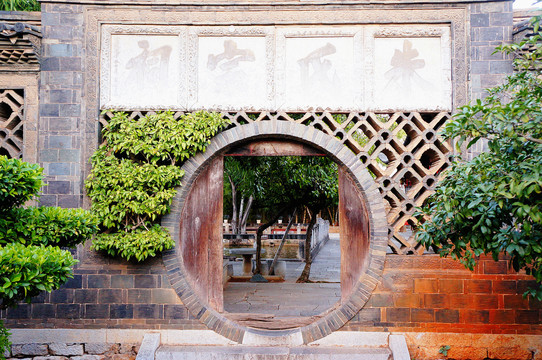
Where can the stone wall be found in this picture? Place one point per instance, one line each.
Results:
(73, 351)
(61, 102)
(417, 294)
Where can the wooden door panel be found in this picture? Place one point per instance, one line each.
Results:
(201, 234)
(354, 232)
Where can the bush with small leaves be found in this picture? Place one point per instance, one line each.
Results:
(31, 260)
(19, 182)
(138, 244)
(47, 226)
(28, 270)
(5, 344)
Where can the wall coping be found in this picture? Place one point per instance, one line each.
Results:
(265, 2)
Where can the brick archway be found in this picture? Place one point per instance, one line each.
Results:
(367, 281)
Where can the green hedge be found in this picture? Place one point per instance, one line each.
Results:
(138, 244)
(47, 226)
(134, 175)
(28, 270)
(19, 182)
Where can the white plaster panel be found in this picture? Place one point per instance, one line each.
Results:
(231, 72)
(142, 67)
(409, 68)
(255, 68)
(319, 68)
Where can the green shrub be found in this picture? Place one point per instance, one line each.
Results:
(47, 226)
(28, 270)
(19, 5)
(139, 244)
(19, 182)
(5, 344)
(134, 175)
(160, 137)
(126, 193)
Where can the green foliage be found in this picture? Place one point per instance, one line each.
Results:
(134, 175)
(47, 226)
(139, 244)
(493, 204)
(444, 350)
(28, 270)
(5, 344)
(125, 193)
(19, 5)
(31, 260)
(159, 137)
(19, 182)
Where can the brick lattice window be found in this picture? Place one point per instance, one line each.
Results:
(11, 122)
(402, 151)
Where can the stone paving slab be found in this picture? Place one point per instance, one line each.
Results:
(290, 299)
(270, 353)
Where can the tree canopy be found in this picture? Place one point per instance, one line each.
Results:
(280, 184)
(493, 204)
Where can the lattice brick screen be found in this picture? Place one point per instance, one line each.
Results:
(402, 151)
(11, 122)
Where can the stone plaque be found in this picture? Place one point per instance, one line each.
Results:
(141, 68)
(319, 68)
(411, 69)
(232, 68)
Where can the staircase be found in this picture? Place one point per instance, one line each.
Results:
(337, 346)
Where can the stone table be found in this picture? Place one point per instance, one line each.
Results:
(247, 254)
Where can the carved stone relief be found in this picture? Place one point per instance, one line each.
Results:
(317, 68)
(410, 68)
(143, 67)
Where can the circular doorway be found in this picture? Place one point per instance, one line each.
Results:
(195, 279)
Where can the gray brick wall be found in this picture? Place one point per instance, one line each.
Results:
(491, 25)
(60, 95)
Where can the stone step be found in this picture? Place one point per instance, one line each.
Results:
(243, 352)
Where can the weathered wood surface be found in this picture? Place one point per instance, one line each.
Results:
(354, 232)
(270, 322)
(274, 148)
(201, 235)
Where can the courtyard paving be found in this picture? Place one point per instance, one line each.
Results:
(289, 299)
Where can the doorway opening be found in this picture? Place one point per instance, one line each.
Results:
(286, 209)
(195, 265)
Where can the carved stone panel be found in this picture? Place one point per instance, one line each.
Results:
(277, 68)
(231, 68)
(319, 68)
(409, 68)
(142, 67)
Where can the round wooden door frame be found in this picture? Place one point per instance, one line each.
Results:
(368, 279)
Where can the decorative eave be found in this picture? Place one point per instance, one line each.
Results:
(20, 43)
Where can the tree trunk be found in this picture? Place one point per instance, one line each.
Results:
(275, 258)
(243, 222)
(241, 208)
(259, 233)
(234, 207)
(304, 277)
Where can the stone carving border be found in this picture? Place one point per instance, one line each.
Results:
(195, 32)
(409, 31)
(282, 33)
(108, 31)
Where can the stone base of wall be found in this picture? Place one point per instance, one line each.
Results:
(73, 351)
(423, 346)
